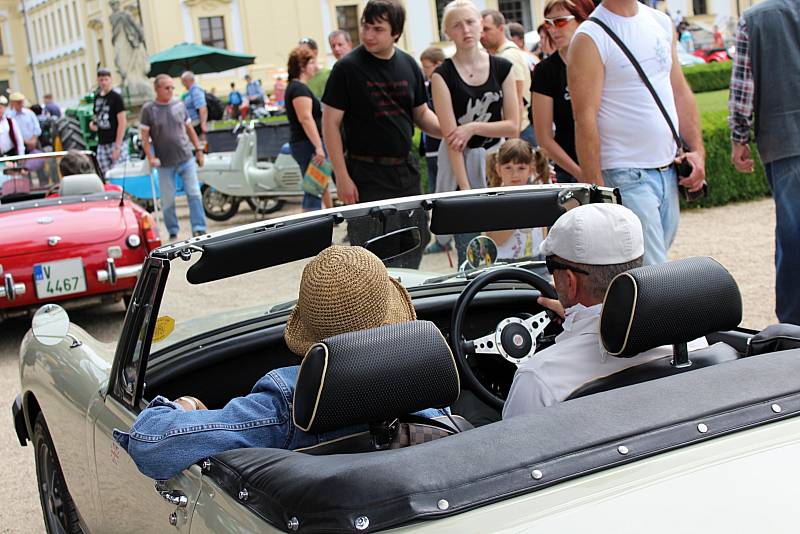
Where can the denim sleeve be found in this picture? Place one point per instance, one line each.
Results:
(165, 439)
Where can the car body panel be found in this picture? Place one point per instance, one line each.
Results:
(26, 231)
(728, 484)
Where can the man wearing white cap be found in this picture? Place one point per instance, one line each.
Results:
(586, 248)
(27, 120)
(11, 143)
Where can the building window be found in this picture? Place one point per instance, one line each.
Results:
(516, 11)
(3, 87)
(700, 7)
(212, 31)
(347, 20)
(439, 11)
(2, 50)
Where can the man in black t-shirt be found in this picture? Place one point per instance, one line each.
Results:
(377, 92)
(109, 123)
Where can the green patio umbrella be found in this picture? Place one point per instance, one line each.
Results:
(197, 58)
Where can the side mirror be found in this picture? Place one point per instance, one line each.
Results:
(394, 244)
(50, 324)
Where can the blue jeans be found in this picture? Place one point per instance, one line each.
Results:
(652, 194)
(302, 152)
(164, 439)
(528, 135)
(784, 180)
(166, 183)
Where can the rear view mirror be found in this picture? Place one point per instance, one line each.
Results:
(394, 244)
(481, 252)
(50, 324)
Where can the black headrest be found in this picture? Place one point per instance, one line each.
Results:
(666, 304)
(374, 375)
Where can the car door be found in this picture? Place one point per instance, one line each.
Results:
(130, 501)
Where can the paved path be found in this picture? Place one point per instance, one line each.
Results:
(740, 236)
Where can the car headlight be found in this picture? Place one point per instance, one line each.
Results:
(133, 240)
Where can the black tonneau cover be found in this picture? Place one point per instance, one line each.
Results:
(495, 462)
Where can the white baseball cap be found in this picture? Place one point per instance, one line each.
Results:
(596, 234)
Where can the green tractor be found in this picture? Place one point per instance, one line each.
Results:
(72, 129)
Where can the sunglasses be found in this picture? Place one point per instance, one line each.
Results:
(558, 22)
(554, 265)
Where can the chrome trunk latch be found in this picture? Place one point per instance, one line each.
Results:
(53, 240)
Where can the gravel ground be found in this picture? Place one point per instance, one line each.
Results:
(740, 236)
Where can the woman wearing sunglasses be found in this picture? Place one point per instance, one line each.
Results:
(549, 91)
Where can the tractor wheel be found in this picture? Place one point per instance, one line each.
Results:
(70, 133)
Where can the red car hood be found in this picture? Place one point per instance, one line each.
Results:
(28, 230)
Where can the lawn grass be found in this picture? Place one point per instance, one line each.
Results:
(712, 101)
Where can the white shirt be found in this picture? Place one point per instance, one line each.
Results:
(521, 70)
(27, 121)
(6, 143)
(633, 132)
(577, 357)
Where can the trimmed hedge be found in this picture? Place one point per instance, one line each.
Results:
(709, 77)
(725, 184)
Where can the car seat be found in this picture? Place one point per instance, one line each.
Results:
(667, 304)
(80, 184)
(375, 378)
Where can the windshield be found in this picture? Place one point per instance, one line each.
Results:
(439, 259)
(39, 176)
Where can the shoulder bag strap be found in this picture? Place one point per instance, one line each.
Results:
(643, 76)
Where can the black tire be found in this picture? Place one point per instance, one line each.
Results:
(60, 514)
(219, 206)
(265, 205)
(69, 130)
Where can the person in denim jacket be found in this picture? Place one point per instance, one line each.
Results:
(343, 289)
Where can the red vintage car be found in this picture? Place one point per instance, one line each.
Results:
(66, 238)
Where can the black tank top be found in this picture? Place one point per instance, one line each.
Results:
(477, 103)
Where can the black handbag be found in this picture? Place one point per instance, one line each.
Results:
(684, 168)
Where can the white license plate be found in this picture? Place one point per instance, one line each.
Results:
(58, 278)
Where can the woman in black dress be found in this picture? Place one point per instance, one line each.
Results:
(476, 102)
(549, 91)
(305, 119)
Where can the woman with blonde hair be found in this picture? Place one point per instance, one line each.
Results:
(475, 99)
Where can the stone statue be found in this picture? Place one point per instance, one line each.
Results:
(130, 55)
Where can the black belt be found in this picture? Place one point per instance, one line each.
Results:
(378, 160)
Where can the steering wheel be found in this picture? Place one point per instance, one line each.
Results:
(514, 339)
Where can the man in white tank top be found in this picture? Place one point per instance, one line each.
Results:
(622, 139)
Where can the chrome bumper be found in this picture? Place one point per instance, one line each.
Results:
(112, 273)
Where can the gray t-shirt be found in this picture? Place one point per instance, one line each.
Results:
(167, 123)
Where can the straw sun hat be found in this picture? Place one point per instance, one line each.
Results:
(344, 289)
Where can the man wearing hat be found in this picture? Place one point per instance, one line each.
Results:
(109, 123)
(27, 121)
(343, 289)
(586, 248)
(11, 142)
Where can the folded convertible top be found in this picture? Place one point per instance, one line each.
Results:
(495, 462)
